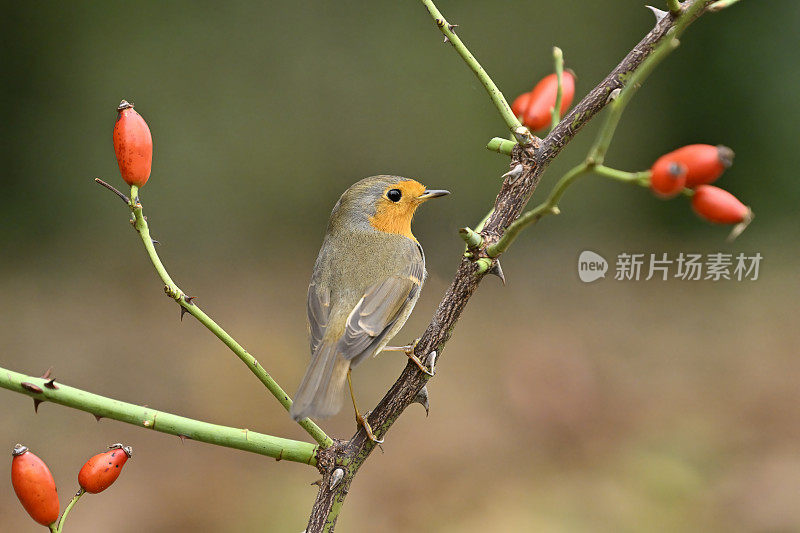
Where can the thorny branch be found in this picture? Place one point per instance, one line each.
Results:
(340, 463)
(187, 305)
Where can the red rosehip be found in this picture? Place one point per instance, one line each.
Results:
(520, 105)
(34, 485)
(103, 469)
(704, 162)
(720, 206)
(133, 145)
(538, 111)
(667, 178)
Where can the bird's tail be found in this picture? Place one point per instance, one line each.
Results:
(320, 392)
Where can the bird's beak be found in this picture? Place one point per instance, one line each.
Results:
(432, 193)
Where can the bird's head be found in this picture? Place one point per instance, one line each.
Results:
(384, 203)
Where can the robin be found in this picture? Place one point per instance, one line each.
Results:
(366, 281)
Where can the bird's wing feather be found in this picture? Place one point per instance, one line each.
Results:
(319, 308)
(378, 311)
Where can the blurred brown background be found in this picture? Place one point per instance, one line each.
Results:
(559, 406)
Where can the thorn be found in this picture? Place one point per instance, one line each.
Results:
(658, 13)
(113, 189)
(613, 95)
(188, 300)
(318, 482)
(31, 387)
(280, 456)
(154, 241)
(47, 373)
(336, 478)
(97, 417)
(497, 270)
(452, 27)
(513, 174)
(446, 39)
(36, 404)
(183, 437)
(51, 384)
(422, 399)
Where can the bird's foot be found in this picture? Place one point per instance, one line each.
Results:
(408, 349)
(362, 421)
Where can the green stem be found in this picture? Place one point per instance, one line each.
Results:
(140, 224)
(558, 58)
(674, 6)
(598, 151)
(501, 145)
(477, 231)
(520, 132)
(100, 406)
(721, 4)
(473, 239)
(549, 206)
(638, 178)
(72, 503)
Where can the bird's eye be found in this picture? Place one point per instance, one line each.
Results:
(394, 195)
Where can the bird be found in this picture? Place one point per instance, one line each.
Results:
(366, 280)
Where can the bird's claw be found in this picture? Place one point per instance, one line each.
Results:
(408, 349)
(414, 359)
(362, 421)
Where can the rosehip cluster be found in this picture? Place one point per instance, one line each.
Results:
(535, 108)
(696, 166)
(36, 488)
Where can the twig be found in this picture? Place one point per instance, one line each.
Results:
(501, 145)
(598, 150)
(674, 6)
(549, 206)
(186, 303)
(508, 206)
(558, 60)
(114, 190)
(521, 133)
(720, 5)
(100, 406)
(72, 503)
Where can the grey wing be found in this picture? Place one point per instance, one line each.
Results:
(319, 308)
(378, 312)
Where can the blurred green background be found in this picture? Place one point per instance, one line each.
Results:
(559, 406)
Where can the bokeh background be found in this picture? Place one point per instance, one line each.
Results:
(559, 406)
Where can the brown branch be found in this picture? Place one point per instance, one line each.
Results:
(514, 195)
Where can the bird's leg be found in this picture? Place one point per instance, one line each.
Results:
(408, 349)
(360, 420)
